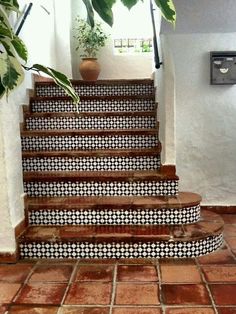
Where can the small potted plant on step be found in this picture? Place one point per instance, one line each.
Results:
(89, 40)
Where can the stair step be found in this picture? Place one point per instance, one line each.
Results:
(88, 139)
(85, 121)
(182, 209)
(99, 88)
(117, 183)
(91, 161)
(93, 104)
(146, 241)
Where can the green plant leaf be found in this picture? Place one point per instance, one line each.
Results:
(10, 5)
(5, 31)
(2, 89)
(5, 21)
(60, 79)
(104, 9)
(90, 12)
(167, 9)
(20, 48)
(11, 72)
(129, 3)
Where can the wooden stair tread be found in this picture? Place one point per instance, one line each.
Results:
(108, 132)
(184, 199)
(210, 224)
(88, 114)
(99, 175)
(95, 153)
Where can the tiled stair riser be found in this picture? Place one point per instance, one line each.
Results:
(88, 142)
(101, 188)
(91, 163)
(136, 249)
(170, 216)
(85, 123)
(97, 90)
(95, 105)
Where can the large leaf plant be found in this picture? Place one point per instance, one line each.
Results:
(14, 57)
(104, 9)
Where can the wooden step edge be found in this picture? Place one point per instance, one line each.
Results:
(115, 97)
(183, 200)
(28, 114)
(98, 175)
(146, 81)
(210, 224)
(93, 132)
(95, 153)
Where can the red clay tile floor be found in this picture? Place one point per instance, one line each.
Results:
(206, 285)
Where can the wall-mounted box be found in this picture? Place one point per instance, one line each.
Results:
(223, 67)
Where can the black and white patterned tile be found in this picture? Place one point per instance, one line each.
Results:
(170, 216)
(107, 163)
(101, 188)
(46, 90)
(167, 249)
(90, 122)
(65, 143)
(95, 105)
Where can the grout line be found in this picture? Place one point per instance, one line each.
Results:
(207, 286)
(24, 283)
(159, 285)
(69, 282)
(113, 288)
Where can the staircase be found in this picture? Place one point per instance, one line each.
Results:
(94, 180)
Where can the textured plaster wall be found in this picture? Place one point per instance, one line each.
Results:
(205, 118)
(38, 34)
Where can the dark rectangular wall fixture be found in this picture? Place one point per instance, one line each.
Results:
(223, 67)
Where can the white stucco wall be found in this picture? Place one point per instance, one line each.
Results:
(205, 119)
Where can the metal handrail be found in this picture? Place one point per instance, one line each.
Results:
(155, 45)
(27, 12)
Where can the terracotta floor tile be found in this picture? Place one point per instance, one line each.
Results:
(139, 294)
(3, 309)
(15, 272)
(52, 273)
(138, 261)
(176, 261)
(89, 293)
(220, 273)
(21, 309)
(136, 310)
(8, 292)
(180, 274)
(94, 273)
(41, 293)
(136, 273)
(229, 218)
(224, 294)
(84, 310)
(222, 256)
(185, 294)
(226, 310)
(93, 261)
(194, 310)
(230, 230)
(231, 242)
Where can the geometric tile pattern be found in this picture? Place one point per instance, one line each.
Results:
(108, 163)
(97, 90)
(95, 105)
(175, 249)
(88, 142)
(101, 188)
(93, 122)
(169, 216)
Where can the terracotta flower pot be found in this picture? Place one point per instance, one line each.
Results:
(89, 69)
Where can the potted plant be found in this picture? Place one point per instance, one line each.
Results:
(89, 41)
